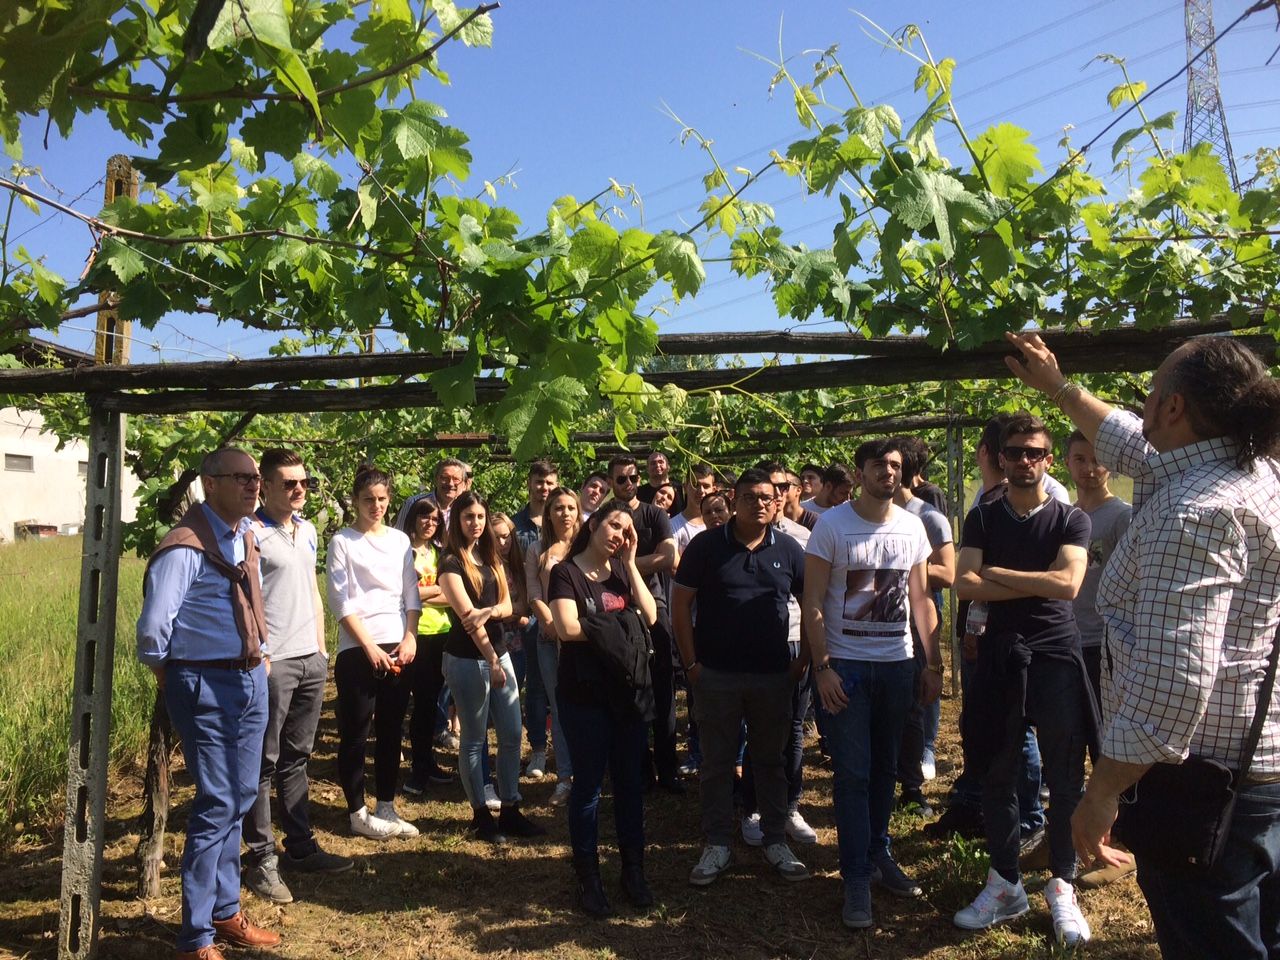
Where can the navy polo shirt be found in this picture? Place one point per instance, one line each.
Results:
(742, 618)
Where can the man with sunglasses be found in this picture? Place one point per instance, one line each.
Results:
(1024, 556)
(656, 559)
(203, 633)
(295, 688)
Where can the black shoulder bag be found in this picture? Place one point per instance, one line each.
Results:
(1179, 814)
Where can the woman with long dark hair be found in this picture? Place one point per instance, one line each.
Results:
(426, 673)
(602, 728)
(373, 593)
(478, 667)
(561, 518)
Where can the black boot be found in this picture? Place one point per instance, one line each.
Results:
(590, 890)
(515, 824)
(485, 827)
(634, 884)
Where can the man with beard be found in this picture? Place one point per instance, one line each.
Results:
(1023, 555)
(865, 580)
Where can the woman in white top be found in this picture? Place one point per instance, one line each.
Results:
(561, 517)
(373, 592)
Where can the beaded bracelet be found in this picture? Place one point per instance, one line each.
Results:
(1069, 388)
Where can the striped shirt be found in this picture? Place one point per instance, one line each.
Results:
(1191, 599)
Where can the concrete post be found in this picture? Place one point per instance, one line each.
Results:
(114, 334)
(91, 696)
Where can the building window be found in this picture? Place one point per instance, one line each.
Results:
(82, 468)
(19, 462)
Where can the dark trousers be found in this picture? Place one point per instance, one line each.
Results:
(426, 680)
(599, 741)
(295, 694)
(364, 700)
(792, 752)
(911, 750)
(1232, 910)
(1058, 707)
(220, 716)
(664, 699)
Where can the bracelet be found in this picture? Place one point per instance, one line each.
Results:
(691, 666)
(1069, 388)
(822, 666)
(936, 668)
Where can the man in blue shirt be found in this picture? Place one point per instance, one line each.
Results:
(739, 661)
(202, 632)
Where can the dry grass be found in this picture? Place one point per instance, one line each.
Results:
(445, 897)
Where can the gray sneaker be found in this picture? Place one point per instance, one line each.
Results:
(857, 905)
(886, 873)
(780, 857)
(714, 861)
(264, 880)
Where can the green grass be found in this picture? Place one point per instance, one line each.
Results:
(39, 601)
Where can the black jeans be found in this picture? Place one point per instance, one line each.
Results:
(1058, 707)
(599, 741)
(426, 680)
(792, 752)
(365, 700)
(664, 699)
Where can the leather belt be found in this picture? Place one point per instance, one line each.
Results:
(244, 664)
(1258, 779)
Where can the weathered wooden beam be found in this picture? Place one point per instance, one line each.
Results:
(330, 399)
(232, 374)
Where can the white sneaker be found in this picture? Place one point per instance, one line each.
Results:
(715, 860)
(780, 857)
(798, 830)
(491, 798)
(560, 795)
(929, 770)
(1069, 925)
(752, 834)
(386, 810)
(365, 824)
(999, 900)
(537, 768)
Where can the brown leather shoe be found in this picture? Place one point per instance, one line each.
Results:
(207, 952)
(243, 933)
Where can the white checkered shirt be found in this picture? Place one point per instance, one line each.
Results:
(1191, 599)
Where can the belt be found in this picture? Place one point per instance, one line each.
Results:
(1258, 779)
(244, 663)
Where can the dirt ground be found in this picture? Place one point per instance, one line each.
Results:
(445, 897)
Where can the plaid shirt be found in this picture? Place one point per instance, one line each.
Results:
(1191, 599)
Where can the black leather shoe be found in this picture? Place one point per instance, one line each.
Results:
(590, 891)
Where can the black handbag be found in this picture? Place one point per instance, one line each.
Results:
(1178, 816)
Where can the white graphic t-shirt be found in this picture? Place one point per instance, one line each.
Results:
(867, 609)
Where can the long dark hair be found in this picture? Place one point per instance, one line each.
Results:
(593, 524)
(486, 546)
(416, 510)
(547, 535)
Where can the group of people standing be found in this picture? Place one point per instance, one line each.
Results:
(769, 594)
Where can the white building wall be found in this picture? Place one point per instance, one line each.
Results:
(40, 483)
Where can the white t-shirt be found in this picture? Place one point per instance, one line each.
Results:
(683, 530)
(867, 609)
(936, 524)
(812, 506)
(800, 534)
(374, 578)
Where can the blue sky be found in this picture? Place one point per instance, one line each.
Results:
(573, 93)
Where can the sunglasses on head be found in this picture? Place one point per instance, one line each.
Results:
(1030, 454)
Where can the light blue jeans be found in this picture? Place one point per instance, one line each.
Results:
(478, 701)
(549, 665)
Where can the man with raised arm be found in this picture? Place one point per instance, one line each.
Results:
(1190, 600)
(865, 580)
(203, 633)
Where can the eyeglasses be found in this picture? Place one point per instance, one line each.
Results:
(1032, 454)
(761, 498)
(244, 479)
(626, 478)
(429, 518)
(306, 483)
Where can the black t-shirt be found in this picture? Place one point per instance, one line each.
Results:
(652, 527)
(1032, 544)
(742, 623)
(459, 643)
(931, 494)
(582, 677)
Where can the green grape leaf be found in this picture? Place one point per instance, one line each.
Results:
(125, 262)
(677, 259)
(1008, 158)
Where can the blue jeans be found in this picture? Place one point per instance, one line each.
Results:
(221, 716)
(549, 667)
(863, 740)
(1234, 909)
(477, 701)
(967, 789)
(599, 741)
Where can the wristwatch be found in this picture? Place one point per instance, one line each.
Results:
(822, 666)
(936, 668)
